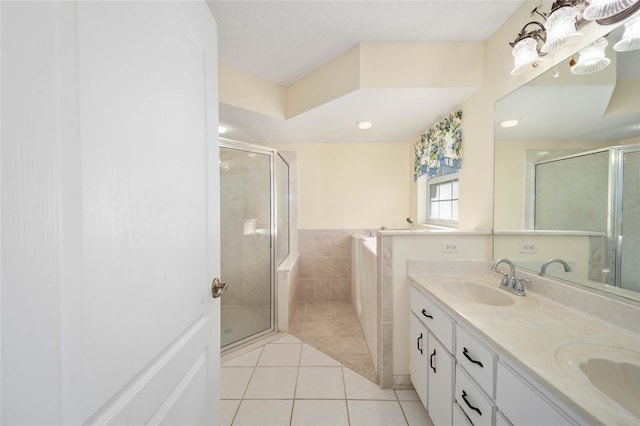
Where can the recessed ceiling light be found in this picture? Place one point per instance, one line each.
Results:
(364, 125)
(222, 130)
(509, 123)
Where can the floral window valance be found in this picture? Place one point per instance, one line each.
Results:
(440, 147)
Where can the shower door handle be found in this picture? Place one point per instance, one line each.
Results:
(217, 288)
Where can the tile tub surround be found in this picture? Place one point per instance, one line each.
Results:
(364, 289)
(325, 264)
(528, 335)
(287, 279)
(287, 382)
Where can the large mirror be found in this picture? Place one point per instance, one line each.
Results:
(567, 175)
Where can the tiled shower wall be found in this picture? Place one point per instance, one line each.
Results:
(325, 264)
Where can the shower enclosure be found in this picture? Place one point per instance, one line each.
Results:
(254, 238)
(596, 191)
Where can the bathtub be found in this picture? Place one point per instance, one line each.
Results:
(364, 290)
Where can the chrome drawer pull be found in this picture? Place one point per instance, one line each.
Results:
(465, 352)
(424, 312)
(464, 396)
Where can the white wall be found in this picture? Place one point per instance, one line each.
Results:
(352, 185)
(573, 249)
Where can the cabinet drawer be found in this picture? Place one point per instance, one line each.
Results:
(523, 404)
(476, 359)
(501, 420)
(475, 404)
(440, 324)
(459, 418)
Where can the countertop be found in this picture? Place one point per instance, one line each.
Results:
(533, 334)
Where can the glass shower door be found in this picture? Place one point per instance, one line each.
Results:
(246, 243)
(628, 250)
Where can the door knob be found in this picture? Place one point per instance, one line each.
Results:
(217, 288)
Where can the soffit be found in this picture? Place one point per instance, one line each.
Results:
(285, 41)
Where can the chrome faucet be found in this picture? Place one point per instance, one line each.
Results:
(410, 222)
(543, 269)
(509, 281)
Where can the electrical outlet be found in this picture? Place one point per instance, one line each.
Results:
(528, 247)
(449, 247)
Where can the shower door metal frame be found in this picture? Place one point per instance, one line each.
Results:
(271, 152)
(616, 218)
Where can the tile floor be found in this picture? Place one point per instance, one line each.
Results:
(334, 328)
(288, 382)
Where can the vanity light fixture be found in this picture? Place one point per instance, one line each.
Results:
(592, 58)
(561, 27)
(631, 37)
(525, 51)
(606, 12)
(364, 125)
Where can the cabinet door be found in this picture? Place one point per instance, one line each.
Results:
(522, 402)
(440, 383)
(418, 357)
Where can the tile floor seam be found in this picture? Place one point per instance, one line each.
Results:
(295, 389)
(403, 413)
(346, 403)
(235, 414)
(253, 371)
(246, 388)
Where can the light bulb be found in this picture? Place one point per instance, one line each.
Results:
(525, 55)
(631, 37)
(364, 125)
(601, 9)
(561, 29)
(592, 58)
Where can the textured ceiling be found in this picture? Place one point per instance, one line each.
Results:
(283, 41)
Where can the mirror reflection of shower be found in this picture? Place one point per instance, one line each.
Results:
(596, 192)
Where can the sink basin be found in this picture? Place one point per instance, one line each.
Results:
(478, 293)
(613, 371)
(620, 381)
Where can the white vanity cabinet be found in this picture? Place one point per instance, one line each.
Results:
(461, 379)
(432, 364)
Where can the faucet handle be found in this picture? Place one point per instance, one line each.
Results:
(505, 279)
(518, 288)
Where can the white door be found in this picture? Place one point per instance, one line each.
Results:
(110, 213)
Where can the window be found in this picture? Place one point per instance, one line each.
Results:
(442, 204)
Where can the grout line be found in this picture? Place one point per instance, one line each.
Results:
(346, 403)
(403, 413)
(252, 373)
(235, 414)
